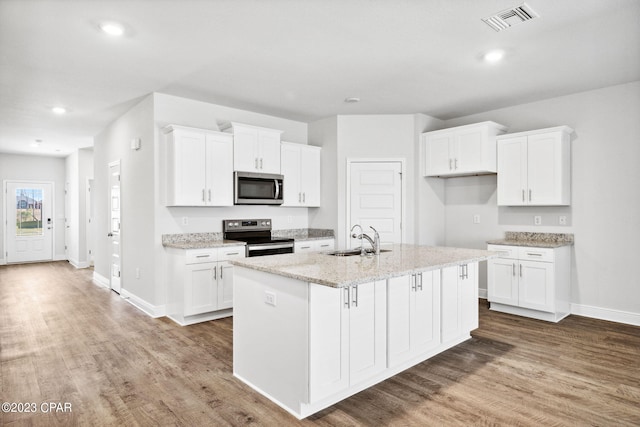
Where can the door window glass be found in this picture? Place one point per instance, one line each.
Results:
(29, 212)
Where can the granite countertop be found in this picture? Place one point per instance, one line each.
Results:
(197, 241)
(302, 234)
(538, 240)
(342, 271)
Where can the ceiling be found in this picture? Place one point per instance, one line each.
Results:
(296, 59)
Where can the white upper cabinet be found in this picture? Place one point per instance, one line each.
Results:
(460, 151)
(255, 149)
(301, 170)
(534, 168)
(199, 167)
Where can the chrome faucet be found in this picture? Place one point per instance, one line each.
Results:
(355, 236)
(375, 242)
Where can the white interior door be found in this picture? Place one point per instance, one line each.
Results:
(376, 199)
(29, 226)
(114, 226)
(89, 216)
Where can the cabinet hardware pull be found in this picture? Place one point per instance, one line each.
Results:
(455, 164)
(413, 282)
(256, 162)
(215, 273)
(260, 162)
(304, 197)
(305, 247)
(221, 270)
(299, 197)
(533, 254)
(523, 195)
(232, 253)
(520, 270)
(514, 269)
(529, 194)
(354, 302)
(346, 297)
(324, 246)
(203, 194)
(419, 275)
(209, 194)
(203, 256)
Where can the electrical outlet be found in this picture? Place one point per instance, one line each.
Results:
(562, 220)
(537, 220)
(185, 220)
(476, 219)
(270, 298)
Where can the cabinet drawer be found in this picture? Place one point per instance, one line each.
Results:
(510, 252)
(231, 252)
(536, 254)
(197, 256)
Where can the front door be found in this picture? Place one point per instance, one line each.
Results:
(114, 226)
(29, 226)
(376, 199)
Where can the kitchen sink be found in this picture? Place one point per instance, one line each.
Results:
(351, 252)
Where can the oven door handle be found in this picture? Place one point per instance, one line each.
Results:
(277, 189)
(268, 247)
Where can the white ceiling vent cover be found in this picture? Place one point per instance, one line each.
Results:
(510, 17)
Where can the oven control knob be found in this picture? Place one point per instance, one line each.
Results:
(268, 222)
(263, 223)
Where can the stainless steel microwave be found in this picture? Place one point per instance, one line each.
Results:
(257, 188)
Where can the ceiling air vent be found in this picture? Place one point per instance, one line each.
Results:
(510, 17)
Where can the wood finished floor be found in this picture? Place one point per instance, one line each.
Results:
(63, 339)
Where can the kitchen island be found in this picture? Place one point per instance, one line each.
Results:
(312, 329)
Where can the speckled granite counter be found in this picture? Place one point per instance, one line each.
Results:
(341, 271)
(539, 240)
(197, 241)
(301, 234)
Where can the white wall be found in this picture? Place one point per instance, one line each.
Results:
(372, 137)
(37, 168)
(137, 199)
(79, 167)
(604, 214)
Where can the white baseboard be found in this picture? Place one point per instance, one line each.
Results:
(482, 293)
(79, 264)
(60, 257)
(154, 311)
(3, 261)
(100, 280)
(606, 314)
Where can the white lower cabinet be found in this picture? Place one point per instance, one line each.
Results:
(459, 301)
(201, 285)
(321, 245)
(413, 316)
(347, 336)
(530, 281)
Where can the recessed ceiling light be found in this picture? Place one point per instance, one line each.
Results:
(352, 100)
(112, 28)
(59, 110)
(494, 56)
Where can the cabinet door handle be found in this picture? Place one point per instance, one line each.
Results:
(529, 194)
(261, 162)
(304, 197)
(533, 254)
(520, 270)
(221, 270)
(256, 161)
(413, 282)
(305, 247)
(215, 273)
(346, 297)
(232, 253)
(202, 256)
(523, 195)
(455, 164)
(514, 269)
(203, 194)
(299, 197)
(419, 277)
(354, 301)
(209, 194)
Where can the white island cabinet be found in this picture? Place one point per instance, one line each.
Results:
(311, 329)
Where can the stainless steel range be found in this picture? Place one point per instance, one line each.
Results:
(257, 234)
